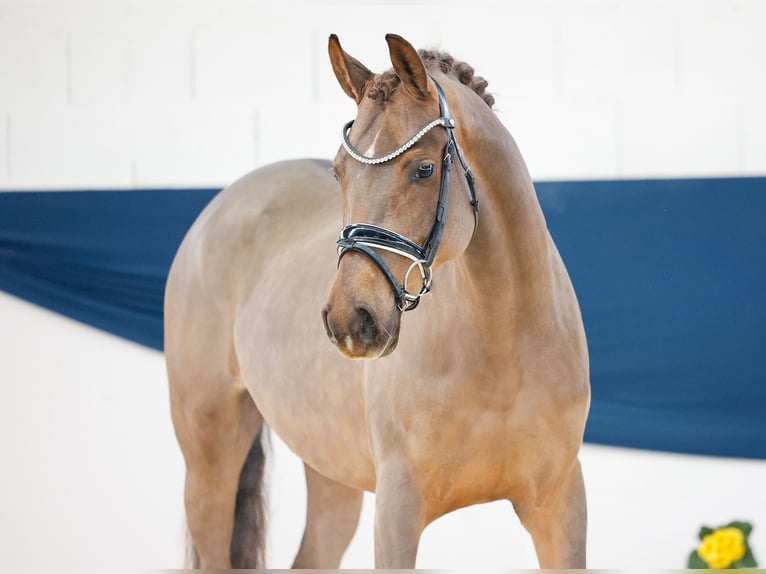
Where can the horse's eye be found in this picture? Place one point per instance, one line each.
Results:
(425, 171)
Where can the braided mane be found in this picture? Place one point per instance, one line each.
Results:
(387, 82)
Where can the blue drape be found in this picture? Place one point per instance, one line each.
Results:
(671, 277)
(100, 257)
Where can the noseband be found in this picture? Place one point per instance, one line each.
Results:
(367, 239)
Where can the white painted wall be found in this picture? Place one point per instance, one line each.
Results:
(197, 92)
(143, 93)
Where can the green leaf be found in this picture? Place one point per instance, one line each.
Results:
(696, 562)
(704, 531)
(745, 527)
(747, 561)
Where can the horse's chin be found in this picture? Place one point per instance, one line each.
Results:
(355, 350)
(390, 347)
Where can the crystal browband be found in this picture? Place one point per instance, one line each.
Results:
(360, 157)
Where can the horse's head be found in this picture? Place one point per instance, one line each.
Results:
(394, 170)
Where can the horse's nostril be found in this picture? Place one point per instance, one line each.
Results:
(327, 327)
(368, 329)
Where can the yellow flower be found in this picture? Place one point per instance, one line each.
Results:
(722, 547)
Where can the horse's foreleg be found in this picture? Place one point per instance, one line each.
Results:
(331, 520)
(558, 523)
(215, 431)
(399, 516)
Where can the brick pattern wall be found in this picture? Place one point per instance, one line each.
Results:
(194, 92)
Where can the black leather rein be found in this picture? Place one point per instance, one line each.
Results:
(368, 239)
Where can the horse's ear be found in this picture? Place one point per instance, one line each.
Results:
(352, 75)
(408, 66)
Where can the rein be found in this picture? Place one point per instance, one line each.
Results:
(366, 238)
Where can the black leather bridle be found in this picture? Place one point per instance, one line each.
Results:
(367, 239)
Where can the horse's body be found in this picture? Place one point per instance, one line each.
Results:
(484, 397)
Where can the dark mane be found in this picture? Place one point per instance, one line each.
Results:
(387, 82)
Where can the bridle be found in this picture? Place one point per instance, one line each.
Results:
(366, 238)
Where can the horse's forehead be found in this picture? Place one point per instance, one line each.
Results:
(381, 128)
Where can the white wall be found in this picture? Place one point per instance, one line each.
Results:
(195, 92)
(190, 92)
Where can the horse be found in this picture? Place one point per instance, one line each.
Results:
(401, 318)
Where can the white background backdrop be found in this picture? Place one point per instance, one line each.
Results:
(196, 93)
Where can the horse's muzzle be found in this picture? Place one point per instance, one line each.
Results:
(358, 334)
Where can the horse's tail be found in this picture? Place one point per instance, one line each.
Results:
(248, 541)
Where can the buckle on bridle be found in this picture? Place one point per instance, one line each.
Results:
(408, 300)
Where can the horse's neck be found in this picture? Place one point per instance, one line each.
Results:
(509, 258)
